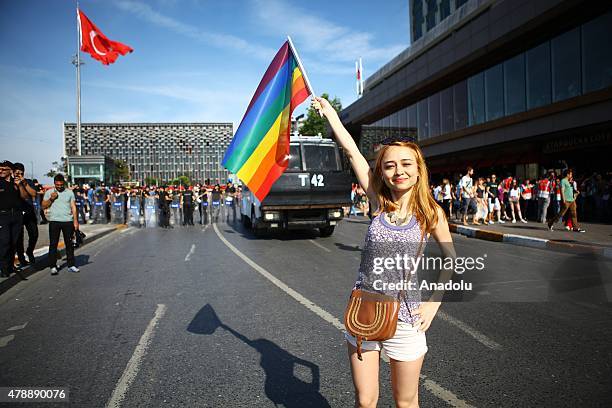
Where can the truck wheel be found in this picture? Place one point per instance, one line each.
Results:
(245, 221)
(327, 231)
(258, 232)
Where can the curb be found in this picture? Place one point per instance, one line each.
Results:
(41, 258)
(532, 242)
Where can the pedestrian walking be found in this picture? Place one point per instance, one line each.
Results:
(404, 211)
(63, 218)
(514, 196)
(466, 191)
(568, 203)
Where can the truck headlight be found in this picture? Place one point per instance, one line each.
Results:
(334, 213)
(271, 216)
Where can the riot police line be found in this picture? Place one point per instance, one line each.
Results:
(163, 206)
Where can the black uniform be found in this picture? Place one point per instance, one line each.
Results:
(164, 210)
(30, 222)
(10, 224)
(231, 192)
(187, 207)
(216, 205)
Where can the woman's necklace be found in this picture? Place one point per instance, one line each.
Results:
(395, 218)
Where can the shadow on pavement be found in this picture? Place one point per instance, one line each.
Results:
(282, 386)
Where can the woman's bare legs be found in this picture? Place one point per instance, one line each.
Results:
(365, 376)
(405, 382)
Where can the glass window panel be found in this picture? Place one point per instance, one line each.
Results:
(460, 105)
(434, 114)
(565, 52)
(596, 57)
(444, 9)
(476, 99)
(320, 158)
(538, 76)
(494, 92)
(514, 84)
(295, 158)
(446, 111)
(412, 117)
(423, 119)
(403, 119)
(432, 5)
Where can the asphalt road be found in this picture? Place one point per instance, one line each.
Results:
(212, 317)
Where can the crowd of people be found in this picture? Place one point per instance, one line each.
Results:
(25, 204)
(488, 199)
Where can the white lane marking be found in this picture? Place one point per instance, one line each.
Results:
(444, 394)
(431, 385)
(21, 326)
(131, 370)
(191, 251)
(205, 228)
(6, 340)
(319, 245)
(323, 314)
(481, 338)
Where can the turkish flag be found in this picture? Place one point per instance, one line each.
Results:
(96, 43)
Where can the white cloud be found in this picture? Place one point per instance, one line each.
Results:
(144, 11)
(320, 36)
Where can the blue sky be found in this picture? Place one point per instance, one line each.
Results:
(193, 60)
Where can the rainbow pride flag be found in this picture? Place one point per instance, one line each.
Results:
(259, 152)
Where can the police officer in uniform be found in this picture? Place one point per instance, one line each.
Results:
(164, 208)
(11, 217)
(187, 200)
(30, 222)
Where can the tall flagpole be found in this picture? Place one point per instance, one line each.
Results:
(78, 79)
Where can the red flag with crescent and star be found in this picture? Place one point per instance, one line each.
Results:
(96, 43)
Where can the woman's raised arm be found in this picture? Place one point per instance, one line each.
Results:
(345, 140)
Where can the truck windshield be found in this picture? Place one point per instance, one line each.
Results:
(295, 158)
(320, 157)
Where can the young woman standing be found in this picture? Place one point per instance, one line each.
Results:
(404, 211)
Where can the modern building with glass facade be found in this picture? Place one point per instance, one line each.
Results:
(161, 151)
(505, 85)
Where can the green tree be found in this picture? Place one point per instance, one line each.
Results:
(150, 181)
(122, 171)
(181, 180)
(315, 124)
(58, 167)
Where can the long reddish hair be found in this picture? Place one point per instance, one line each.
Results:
(422, 204)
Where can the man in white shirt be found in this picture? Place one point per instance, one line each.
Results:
(466, 192)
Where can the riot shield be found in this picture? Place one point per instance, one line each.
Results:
(37, 211)
(215, 207)
(117, 216)
(99, 211)
(134, 211)
(150, 212)
(175, 210)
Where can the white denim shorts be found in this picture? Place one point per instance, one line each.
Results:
(408, 344)
(494, 204)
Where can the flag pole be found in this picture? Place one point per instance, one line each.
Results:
(304, 74)
(78, 73)
(299, 62)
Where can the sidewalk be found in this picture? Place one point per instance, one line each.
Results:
(91, 231)
(596, 240)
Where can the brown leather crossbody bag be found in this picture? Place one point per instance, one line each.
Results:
(372, 316)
